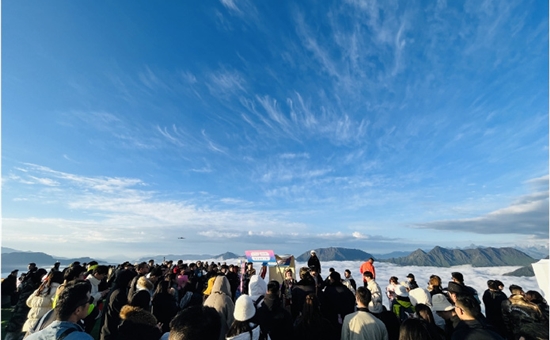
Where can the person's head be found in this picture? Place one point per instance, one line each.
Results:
(335, 277)
(414, 329)
(371, 260)
(442, 306)
(435, 281)
(14, 272)
(499, 284)
(288, 274)
(144, 283)
(466, 307)
(304, 273)
(195, 323)
(533, 295)
(273, 287)
(151, 262)
(32, 266)
(457, 277)
(347, 273)
(410, 277)
(163, 287)
(100, 272)
(244, 308)
(313, 270)
(310, 310)
(368, 276)
(313, 253)
(250, 265)
(454, 288)
(73, 302)
(330, 270)
(142, 268)
(363, 296)
(124, 277)
(394, 280)
(424, 312)
(516, 290)
(74, 272)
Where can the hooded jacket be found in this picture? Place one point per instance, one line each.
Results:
(256, 288)
(220, 300)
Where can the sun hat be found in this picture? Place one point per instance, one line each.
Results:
(244, 308)
(401, 291)
(440, 303)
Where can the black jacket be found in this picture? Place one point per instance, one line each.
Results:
(274, 319)
(474, 330)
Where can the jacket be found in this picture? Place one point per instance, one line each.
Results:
(362, 325)
(375, 305)
(220, 300)
(137, 324)
(274, 319)
(39, 305)
(339, 301)
(56, 330)
(367, 266)
(474, 330)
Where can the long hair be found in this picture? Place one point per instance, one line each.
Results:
(53, 277)
(424, 312)
(311, 314)
(238, 327)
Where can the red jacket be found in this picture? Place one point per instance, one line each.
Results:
(367, 266)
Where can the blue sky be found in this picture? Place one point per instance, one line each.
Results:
(239, 125)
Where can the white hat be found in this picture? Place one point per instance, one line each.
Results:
(312, 252)
(440, 303)
(244, 308)
(401, 291)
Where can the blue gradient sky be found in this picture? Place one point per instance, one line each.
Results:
(241, 125)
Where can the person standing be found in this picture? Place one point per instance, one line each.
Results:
(367, 266)
(361, 325)
(8, 288)
(314, 261)
(375, 306)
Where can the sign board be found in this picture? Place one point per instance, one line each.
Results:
(261, 256)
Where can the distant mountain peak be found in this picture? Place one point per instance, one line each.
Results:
(478, 257)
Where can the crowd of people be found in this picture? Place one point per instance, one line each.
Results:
(176, 301)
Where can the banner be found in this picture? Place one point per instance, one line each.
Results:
(261, 256)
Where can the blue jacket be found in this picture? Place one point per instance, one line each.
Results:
(57, 328)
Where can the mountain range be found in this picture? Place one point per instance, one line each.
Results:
(336, 254)
(437, 257)
(478, 257)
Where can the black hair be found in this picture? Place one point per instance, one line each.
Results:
(101, 270)
(73, 272)
(515, 288)
(347, 271)
(414, 329)
(335, 277)
(239, 327)
(424, 312)
(468, 303)
(196, 323)
(74, 295)
(273, 287)
(368, 274)
(363, 295)
(458, 276)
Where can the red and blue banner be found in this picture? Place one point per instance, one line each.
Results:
(261, 256)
